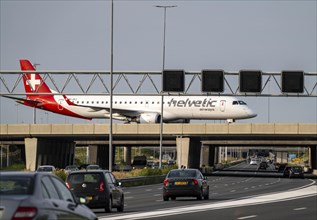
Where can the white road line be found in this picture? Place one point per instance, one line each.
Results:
(157, 194)
(128, 197)
(256, 200)
(148, 190)
(247, 217)
(299, 209)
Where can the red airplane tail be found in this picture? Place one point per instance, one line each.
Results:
(33, 82)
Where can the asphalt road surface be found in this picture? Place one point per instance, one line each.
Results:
(233, 197)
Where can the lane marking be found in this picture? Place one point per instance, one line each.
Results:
(246, 217)
(264, 199)
(299, 209)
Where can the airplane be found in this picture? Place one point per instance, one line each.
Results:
(134, 108)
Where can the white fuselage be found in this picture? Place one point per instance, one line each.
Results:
(175, 107)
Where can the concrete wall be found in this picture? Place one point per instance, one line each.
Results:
(48, 152)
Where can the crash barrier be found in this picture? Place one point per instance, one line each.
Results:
(141, 180)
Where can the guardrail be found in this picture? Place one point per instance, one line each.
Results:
(142, 180)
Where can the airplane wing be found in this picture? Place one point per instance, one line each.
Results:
(123, 112)
(23, 100)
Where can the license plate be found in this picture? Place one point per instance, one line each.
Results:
(89, 198)
(180, 183)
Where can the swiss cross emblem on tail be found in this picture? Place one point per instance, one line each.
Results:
(33, 82)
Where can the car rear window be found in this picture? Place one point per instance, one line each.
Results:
(11, 185)
(182, 173)
(84, 178)
(45, 169)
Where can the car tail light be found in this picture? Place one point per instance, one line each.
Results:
(101, 187)
(68, 185)
(195, 182)
(166, 182)
(24, 213)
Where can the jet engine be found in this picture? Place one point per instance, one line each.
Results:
(149, 118)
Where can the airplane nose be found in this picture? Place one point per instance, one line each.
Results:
(251, 113)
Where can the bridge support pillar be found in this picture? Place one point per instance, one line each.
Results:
(127, 155)
(313, 158)
(103, 156)
(188, 152)
(30, 153)
(92, 154)
(207, 156)
(39, 152)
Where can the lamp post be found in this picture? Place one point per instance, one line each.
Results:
(111, 90)
(163, 68)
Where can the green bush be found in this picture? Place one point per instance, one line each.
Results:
(150, 172)
(15, 167)
(61, 174)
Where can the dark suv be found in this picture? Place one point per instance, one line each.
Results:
(296, 171)
(99, 187)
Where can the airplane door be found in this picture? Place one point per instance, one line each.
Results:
(222, 105)
(60, 104)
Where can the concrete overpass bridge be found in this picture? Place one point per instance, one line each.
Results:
(196, 143)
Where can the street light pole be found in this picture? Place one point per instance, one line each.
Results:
(111, 90)
(163, 68)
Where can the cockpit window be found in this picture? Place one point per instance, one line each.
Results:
(242, 103)
(239, 103)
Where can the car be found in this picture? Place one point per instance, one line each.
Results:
(281, 167)
(139, 162)
(254, 161)
(46, 168)
(171, 162)
(39, 195)
(286, 171)
(99, 187)
(71, 168)
(296, 171)
(92, 167)
(263, 165)
(185, 183)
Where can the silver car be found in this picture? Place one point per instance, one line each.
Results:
(38, 195)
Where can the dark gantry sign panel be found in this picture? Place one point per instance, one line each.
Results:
(212, 80)
(173, 81)
(250, 81)
(292, 81)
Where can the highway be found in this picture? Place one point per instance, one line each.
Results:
(231, 197)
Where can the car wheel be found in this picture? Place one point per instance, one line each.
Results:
(108, 207)
(165, 198)
(121, 207)
(200, 197)
(206, 197)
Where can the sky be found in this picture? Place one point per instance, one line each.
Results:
(229, 35)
